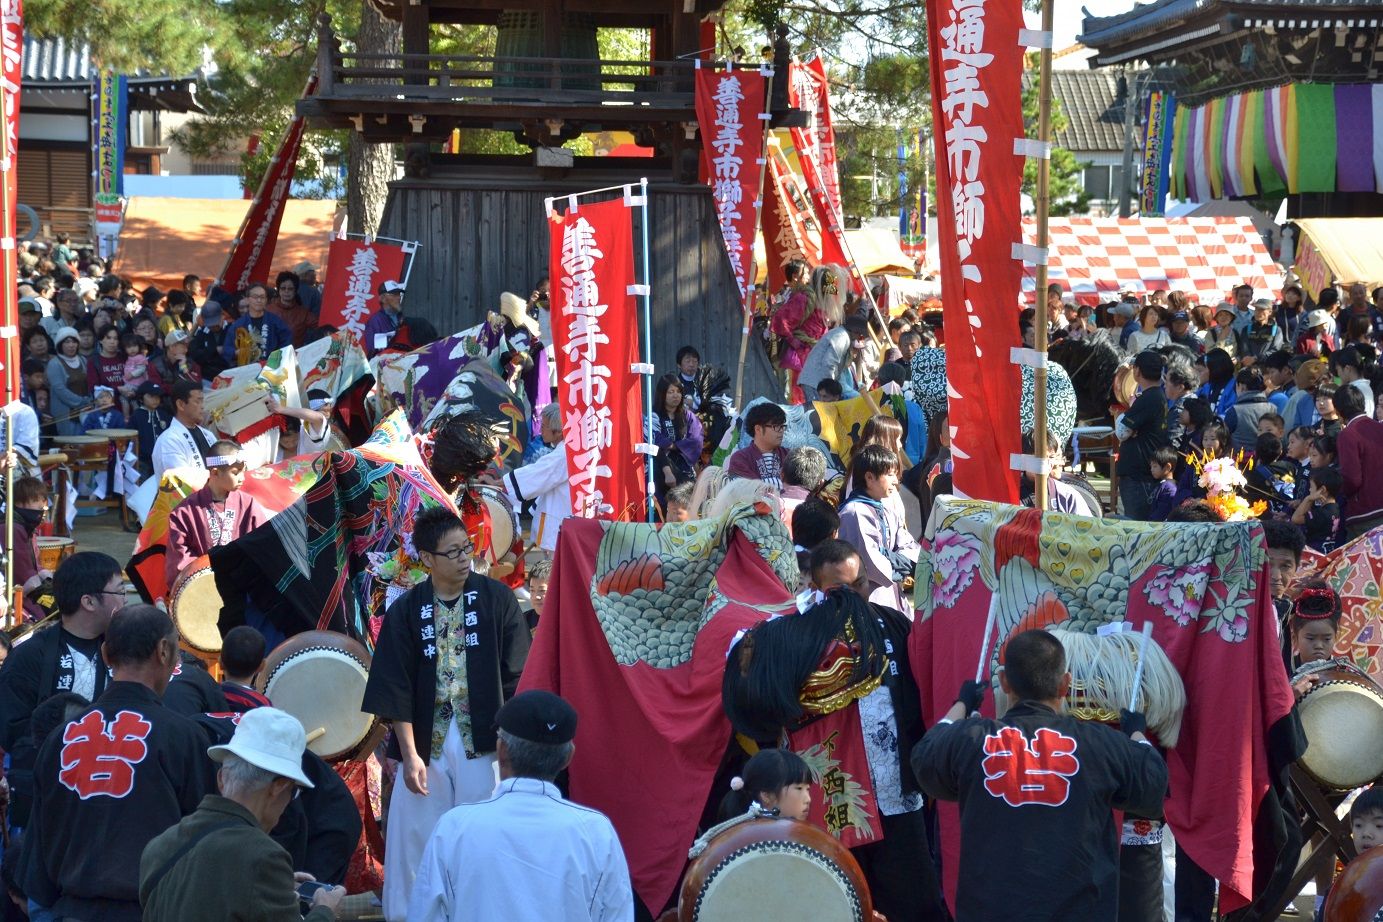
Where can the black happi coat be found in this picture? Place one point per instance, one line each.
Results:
(193, 691)
(1039, 847)
(33, 673)
(320, 827)
(902, 689)
(403, 673)
(86, 857)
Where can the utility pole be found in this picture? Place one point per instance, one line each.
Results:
(1131, 102)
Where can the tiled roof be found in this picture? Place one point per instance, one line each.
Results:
(58, 62)
(54, 60)
(1094, 119)
(1162, 15)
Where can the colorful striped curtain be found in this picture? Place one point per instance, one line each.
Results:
(1303, 137)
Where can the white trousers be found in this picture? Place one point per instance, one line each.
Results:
(452, 779)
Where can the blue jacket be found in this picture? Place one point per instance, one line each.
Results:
(275, 332)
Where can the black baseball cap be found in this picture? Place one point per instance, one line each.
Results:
(150, 387)
(538, 717)
(1181, 315)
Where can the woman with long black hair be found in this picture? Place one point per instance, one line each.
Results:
(678, 435)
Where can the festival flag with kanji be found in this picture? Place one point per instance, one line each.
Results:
(596, 338)
(977, 116)
(729, 104)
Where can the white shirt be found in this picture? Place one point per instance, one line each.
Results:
(25, 433)
(523, 854)
(545, 483)
(176, 448)
(1366, 389)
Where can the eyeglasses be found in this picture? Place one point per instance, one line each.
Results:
(777, 427)
(456, 553)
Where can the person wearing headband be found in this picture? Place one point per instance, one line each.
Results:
(216, 514)
(1315, 620)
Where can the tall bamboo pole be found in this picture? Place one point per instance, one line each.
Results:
(1043, 204)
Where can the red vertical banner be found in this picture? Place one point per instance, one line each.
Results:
(595, 331)
(12, 47)
(787, 229)
(976, 66)
(355, 270)
(252, 251)
(729, 104)
(809, 91)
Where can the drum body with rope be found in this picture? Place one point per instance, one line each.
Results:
(1357, 894)
(774, 869)
(194, 603)
(319, 677)
(1342, 716)
(84, 449)
(504, 528)
(51, 551)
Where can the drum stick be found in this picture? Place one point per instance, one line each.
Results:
(1138, 673)
(315, 735)
(988, 629)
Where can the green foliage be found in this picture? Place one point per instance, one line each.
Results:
(127, 35)
(1065, 189)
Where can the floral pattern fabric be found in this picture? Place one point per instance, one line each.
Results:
(1203, 588)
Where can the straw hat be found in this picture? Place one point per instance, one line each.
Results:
(1311, 373)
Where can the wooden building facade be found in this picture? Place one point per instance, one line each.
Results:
(481, 220)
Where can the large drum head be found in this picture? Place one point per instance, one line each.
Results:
(195, 606)
(504, 523)
(319, 677)
(803, 886)
(1344, 734)
(774, 869)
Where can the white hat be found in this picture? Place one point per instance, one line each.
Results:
(1317, 318)
(270, 739)
(65, 333)
(85, 286)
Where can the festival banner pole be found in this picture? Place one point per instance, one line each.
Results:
(1043, 204)
(645, 291)
(273, 191)
(12, 40)
(748, 296)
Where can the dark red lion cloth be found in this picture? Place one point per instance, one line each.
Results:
(635, 634)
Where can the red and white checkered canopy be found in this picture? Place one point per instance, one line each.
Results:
(1095, 259)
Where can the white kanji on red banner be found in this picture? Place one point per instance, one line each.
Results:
(596, 341)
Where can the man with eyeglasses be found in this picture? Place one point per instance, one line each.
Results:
(256, 334)
(63, 657)
(766, 424)
(450, 652)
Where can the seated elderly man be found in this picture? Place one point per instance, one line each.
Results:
(219, 863)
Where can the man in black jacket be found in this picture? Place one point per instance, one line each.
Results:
(207, 340)
(114, 777)
(64, 657)
(1143, 432)
(1037, 791)
(450, 652)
